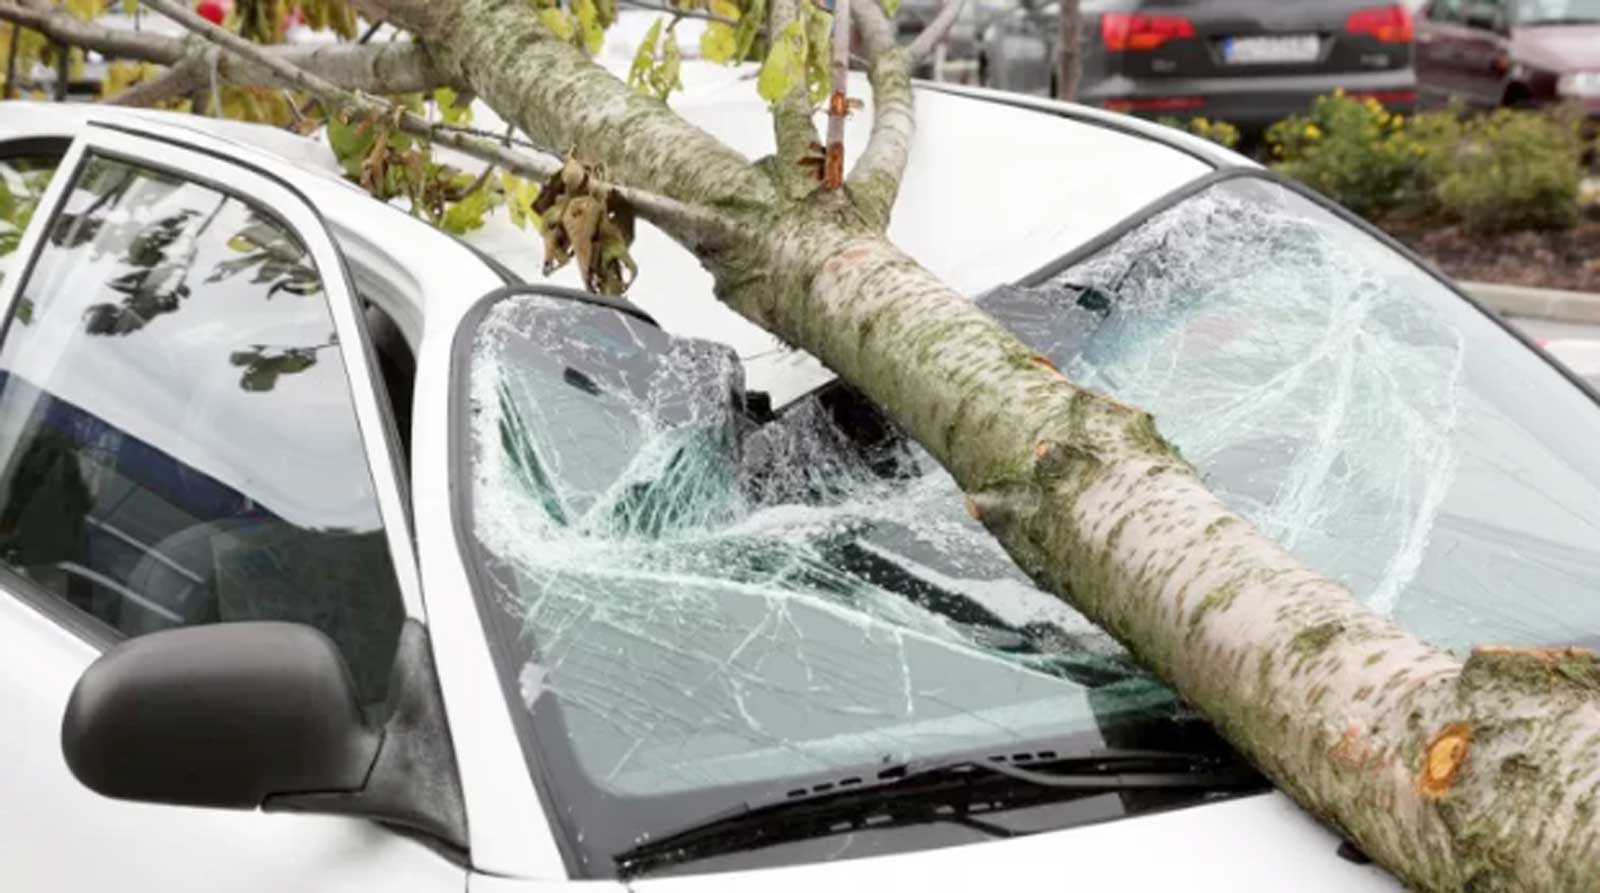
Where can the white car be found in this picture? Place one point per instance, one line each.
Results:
(336, 558)
(1581, 355)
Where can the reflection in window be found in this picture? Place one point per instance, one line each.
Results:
(177, 439)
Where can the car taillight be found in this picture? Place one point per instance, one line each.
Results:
(1136, 31)
(1385, 97)
(1389, 24)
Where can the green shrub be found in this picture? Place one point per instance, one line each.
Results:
(1354, 151)
(1514, 170)
(1507, 170)
(1220, 132)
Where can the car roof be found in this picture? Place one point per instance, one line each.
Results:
(998, 186)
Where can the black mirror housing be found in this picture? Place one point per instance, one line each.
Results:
(224, 715)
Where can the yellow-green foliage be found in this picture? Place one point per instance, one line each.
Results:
(1220, 132)
(1506, 170)
(1354, 151)
(1514, 170)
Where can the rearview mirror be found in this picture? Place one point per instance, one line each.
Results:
(224, 715)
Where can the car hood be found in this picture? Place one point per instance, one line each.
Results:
(1262, 843)
(1558, 48)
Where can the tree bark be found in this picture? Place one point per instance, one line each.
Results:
(1069, 51)
(1481, 774)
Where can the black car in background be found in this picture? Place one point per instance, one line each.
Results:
(1249, 62)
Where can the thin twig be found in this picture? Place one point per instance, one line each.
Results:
(679, 13)
(706, 228)
(839, 99)
(304, 108)
(63, 70)
(935, 33)
(11, 61)
(877, 32)
(170, 84)
(507, 139)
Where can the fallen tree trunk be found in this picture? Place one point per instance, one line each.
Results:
(1480, 774)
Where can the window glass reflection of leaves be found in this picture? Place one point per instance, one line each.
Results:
(160, 231)
(278, 260)
(263, 363)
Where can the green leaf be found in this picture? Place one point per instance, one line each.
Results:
(749, 29)
(129, 7)
(718, 44)
(594, 33)
(8, 203)
(819, 62)
(666, 76)
(645, 59)
(350, 142)
(891, 8)
(719, 41)
(466, 215)
(785, 68)
(446, 99)
(520, 197)
(557, 23)
(85, 10)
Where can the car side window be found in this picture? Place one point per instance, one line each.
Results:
(1445, 11)
(23, 179)
(178, 440)
(1484, 14)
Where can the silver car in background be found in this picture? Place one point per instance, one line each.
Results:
(1249, 62)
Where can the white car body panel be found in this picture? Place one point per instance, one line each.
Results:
(976, 216)
(56, 836)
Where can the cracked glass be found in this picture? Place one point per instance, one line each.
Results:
(696, 601)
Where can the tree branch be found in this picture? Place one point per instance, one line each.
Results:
(681, 13)
(875, 181)
(839, 97)
(559, 97)
(793, 127)
(711, 229)
(877, 32)
(936, 30)
(378, 68)
(175, 83)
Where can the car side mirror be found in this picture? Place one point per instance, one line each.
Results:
(224, 715)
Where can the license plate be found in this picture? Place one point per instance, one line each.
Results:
(1274, 48)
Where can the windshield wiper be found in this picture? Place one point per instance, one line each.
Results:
(951, 790)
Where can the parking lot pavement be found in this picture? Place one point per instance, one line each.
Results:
(1551, 330)
(1575, 344)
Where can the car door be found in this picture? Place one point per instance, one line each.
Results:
(189, 434)
(1482, 63)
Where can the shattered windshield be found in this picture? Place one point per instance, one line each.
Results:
(696, 602)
